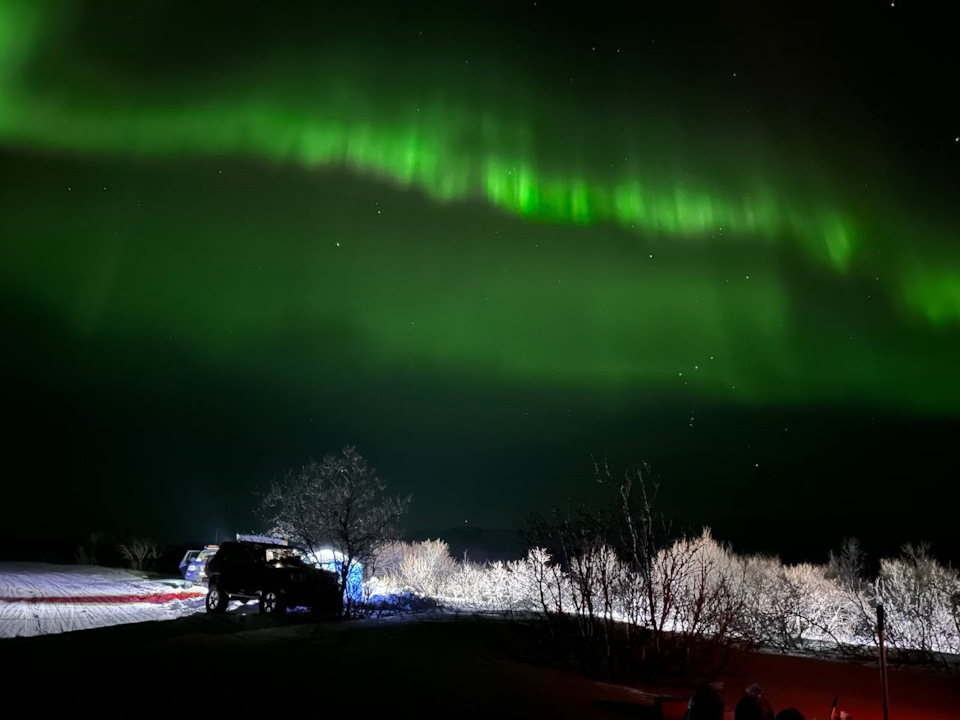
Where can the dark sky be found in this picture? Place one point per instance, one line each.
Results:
(482, 244)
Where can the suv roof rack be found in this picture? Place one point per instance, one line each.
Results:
(264, 539)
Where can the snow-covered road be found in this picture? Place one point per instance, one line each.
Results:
(38, 599)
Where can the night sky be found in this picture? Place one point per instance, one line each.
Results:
(482, 243)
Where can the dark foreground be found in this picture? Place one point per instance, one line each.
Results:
(425, 666)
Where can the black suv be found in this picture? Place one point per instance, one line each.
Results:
(274, 575)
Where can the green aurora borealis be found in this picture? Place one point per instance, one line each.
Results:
(309, 213)
(528, 159)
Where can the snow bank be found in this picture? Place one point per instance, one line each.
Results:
(38, 599)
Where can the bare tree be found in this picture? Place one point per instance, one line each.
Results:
(631, 599)
(339, 503)
(847, 566)
(86, 553)
(139, 553)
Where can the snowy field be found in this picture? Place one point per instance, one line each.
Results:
(39, 599)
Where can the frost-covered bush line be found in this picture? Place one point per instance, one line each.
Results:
(697, 588)
(625, 595)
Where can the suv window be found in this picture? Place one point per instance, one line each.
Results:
(232, 554)
(246, 555)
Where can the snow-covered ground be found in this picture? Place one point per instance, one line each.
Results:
(38, 599)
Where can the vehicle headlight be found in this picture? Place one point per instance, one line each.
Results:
(191, 567)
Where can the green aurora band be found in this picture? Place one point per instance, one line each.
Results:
(415, 144)
(458, 142)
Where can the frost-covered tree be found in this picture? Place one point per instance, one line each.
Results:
(338, 503)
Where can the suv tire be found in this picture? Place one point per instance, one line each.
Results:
(216, 601)
(270, 603)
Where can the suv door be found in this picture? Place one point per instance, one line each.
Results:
(250, 569)
(227, 567)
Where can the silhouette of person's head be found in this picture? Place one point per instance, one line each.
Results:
(790, 714)
(706, 703)
(754, 705)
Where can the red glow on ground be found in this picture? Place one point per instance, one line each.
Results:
(104, 599)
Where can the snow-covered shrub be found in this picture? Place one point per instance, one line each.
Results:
(419, 567)
(499, 586)
(426, 566)
(921, 598)
(791, 606)
(704, 581)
